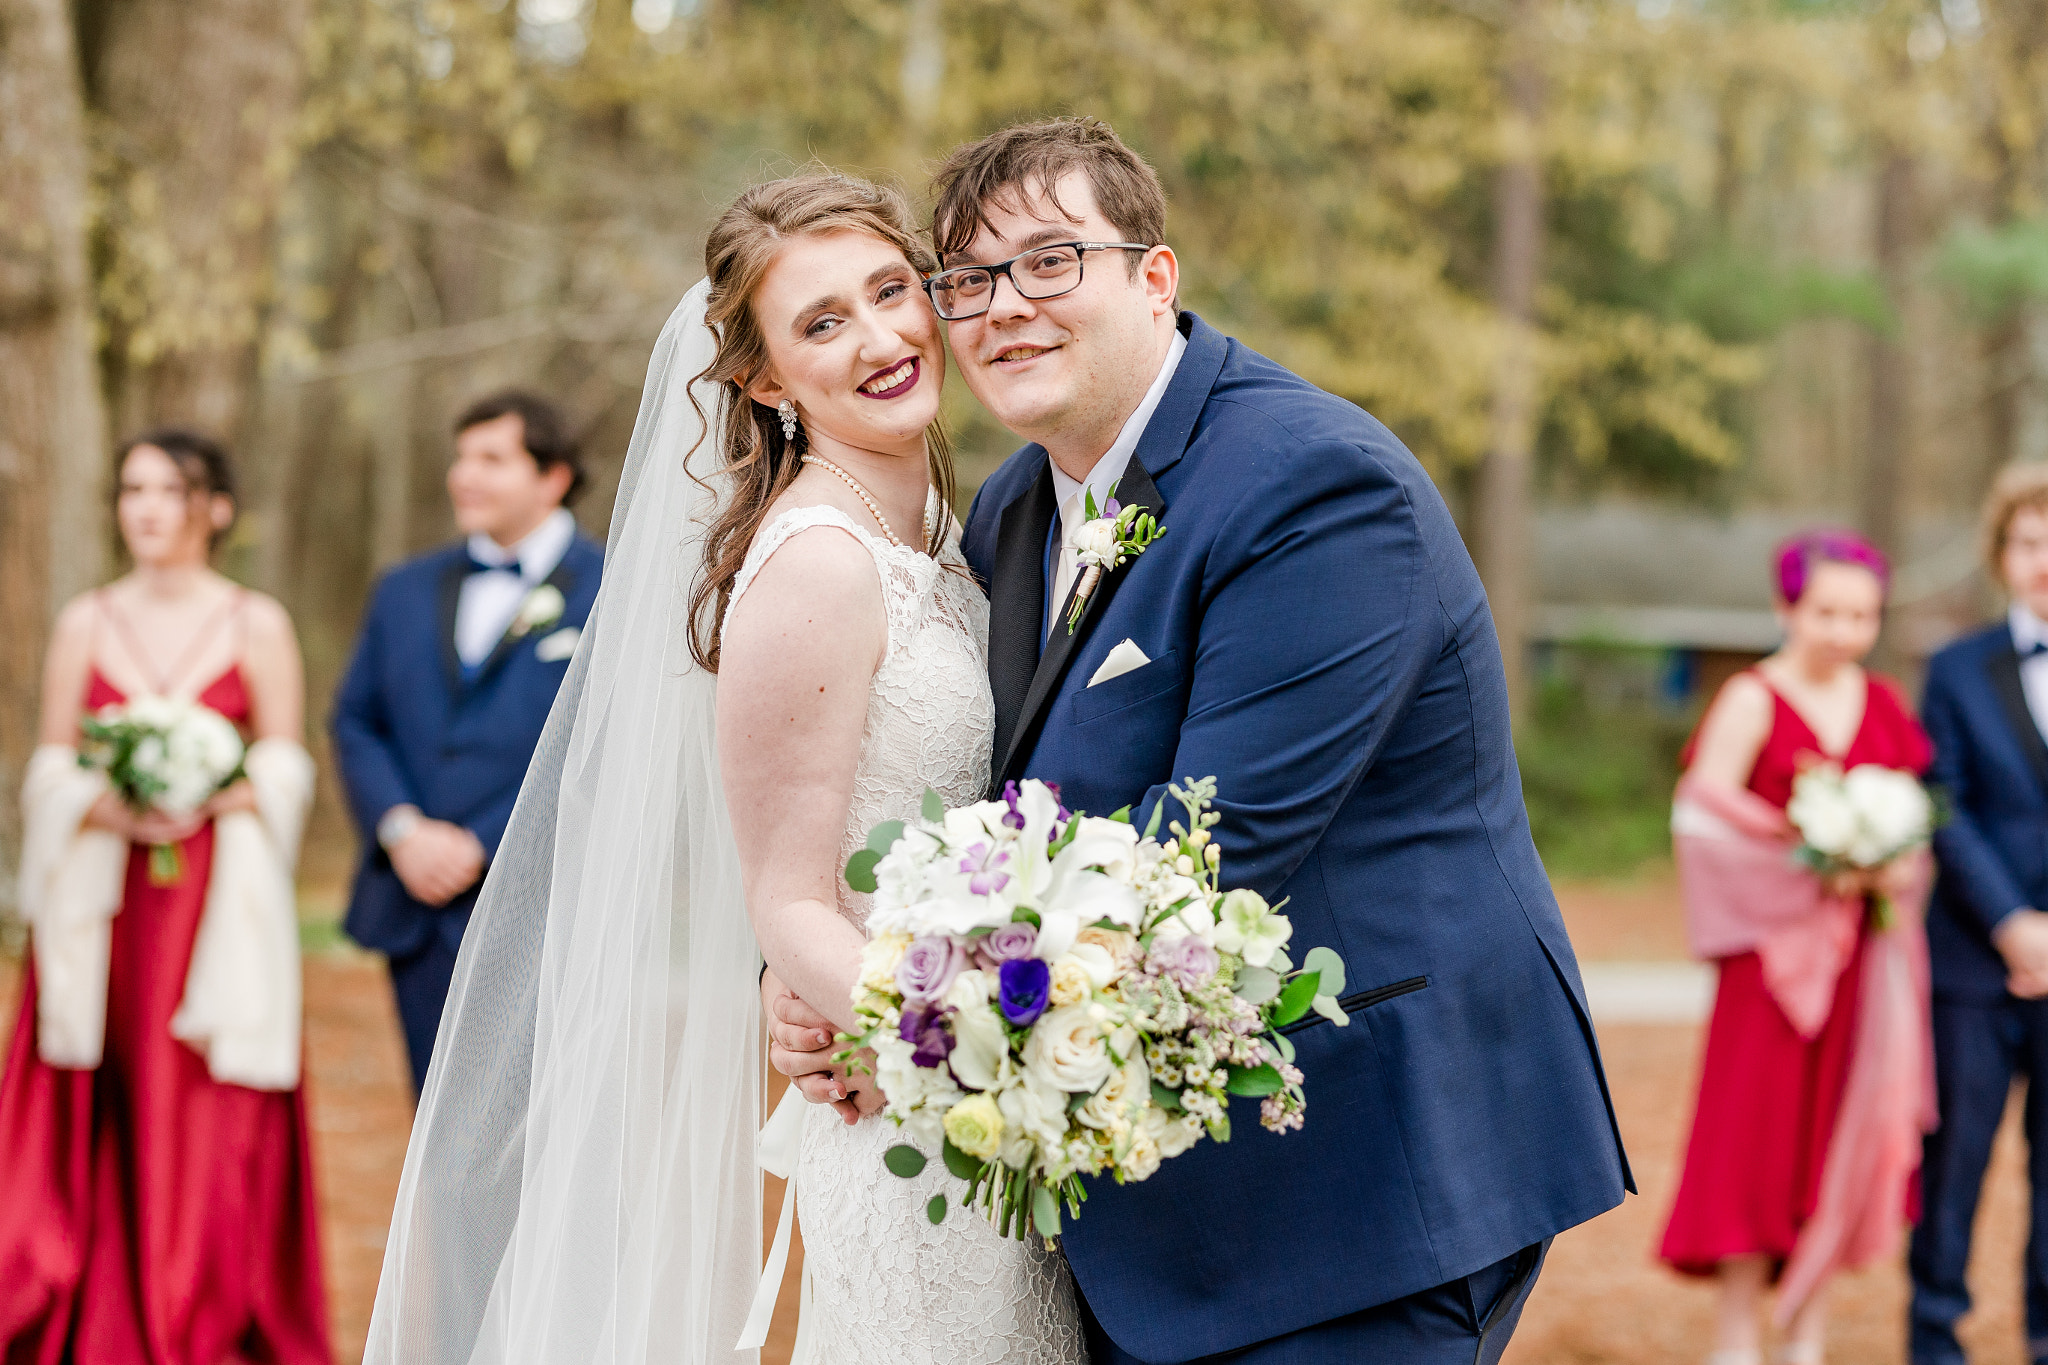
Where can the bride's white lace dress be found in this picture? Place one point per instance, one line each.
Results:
(887, 1287)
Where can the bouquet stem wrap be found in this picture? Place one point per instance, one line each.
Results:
(241, 1006)
(1745, 892)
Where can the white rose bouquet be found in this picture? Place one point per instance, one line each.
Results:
(163, 754)
(1050, 995)
(1860, 819)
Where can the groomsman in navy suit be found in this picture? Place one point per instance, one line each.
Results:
(1986, 708)
(458, 662)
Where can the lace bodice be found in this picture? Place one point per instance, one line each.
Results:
(931, 718)
(887, 1287)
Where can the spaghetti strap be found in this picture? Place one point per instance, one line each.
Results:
(162, 681)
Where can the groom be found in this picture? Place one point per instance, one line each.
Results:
(1311, 632)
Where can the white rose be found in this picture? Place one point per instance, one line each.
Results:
(981, 1050)
(1193, 918)
(1141, 1158)
(1821, 811)
(1094, 542)
(1067, 1049)
(542, 607)
(878, 959)
(1127, 1091)
(1891, 805)
(1174, 1133)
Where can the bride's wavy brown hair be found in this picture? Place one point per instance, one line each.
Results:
(754, 456)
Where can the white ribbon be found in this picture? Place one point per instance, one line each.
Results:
(775, 1151)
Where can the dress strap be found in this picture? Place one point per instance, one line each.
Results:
(161, 681)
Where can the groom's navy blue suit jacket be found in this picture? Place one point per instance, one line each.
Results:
(1321, 645)
(408, 727)
(1993, 849)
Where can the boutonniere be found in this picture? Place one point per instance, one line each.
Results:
(1106, 539)
(539, 609)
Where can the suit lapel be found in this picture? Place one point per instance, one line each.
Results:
(2003, 668)
(1134, 489)
(1017, 604)
(563, 580)
(450, 601)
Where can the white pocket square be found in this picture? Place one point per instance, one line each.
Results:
(560, 645)
(1121, 660)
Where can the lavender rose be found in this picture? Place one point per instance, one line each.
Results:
(924, 1027)
(1023, 985)
(1005, 944)
(928, 968)
(1186, 959)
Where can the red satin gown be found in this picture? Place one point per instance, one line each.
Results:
(150, 1215)
(1768, 1097)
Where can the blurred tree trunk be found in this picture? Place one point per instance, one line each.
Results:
(201, 98)
(2016, 348)
(52, 422)
(1890, 359)
(1506, 479)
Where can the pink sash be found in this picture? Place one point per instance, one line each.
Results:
(1743, 892)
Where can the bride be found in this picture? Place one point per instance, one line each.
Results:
(788, 649)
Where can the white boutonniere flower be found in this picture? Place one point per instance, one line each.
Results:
(540, 608)
(1106, 539)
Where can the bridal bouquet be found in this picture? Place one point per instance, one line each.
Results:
(1051, 995)
(1859, 819)
(163, 754)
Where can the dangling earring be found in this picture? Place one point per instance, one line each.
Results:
(787, 410)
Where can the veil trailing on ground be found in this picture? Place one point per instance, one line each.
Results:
(580, 1184)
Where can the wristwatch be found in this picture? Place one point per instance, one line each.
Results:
(397, 826)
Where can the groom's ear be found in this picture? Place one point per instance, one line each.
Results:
(1160, 278)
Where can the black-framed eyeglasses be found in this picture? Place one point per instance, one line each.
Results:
(1044, 272)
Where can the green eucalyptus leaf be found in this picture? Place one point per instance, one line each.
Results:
(959, 1163)
(883, 837)
(1330, 966)
(1165, 1098)
(860, 871)
(1294, 1001)
(936, 1210)
(1045, 1211)
(904, 1160)
(1281, 962)
(934, 808)
(1330, 1009)
(1257, 985)
(1253, 1082)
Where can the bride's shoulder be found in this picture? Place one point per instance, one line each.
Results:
(813, 554)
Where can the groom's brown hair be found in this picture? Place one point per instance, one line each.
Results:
(1002, 168)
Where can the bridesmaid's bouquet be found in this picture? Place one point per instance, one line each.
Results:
(1051, 995)
(163, 754)
(1858, 819)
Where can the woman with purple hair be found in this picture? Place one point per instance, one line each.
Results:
(1771, 1089)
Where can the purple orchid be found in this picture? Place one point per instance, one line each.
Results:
(1005, 944)
(1015, 818)
(1023, 986)
(925, 1027)
(928, 968)
(981, 864)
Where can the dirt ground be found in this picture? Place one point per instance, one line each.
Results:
(1601, 1301)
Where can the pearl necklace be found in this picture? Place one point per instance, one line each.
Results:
(874, 510)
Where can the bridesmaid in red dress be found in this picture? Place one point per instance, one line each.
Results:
(1768, 1096)
(150, 1214)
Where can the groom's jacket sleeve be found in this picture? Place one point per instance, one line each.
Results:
(489, 825)
(1970, 864)
(363, 743)
(1319, 622)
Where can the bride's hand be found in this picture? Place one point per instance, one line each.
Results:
(801, 1046)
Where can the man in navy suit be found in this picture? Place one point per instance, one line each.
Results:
(1309, 631)
(458, 662)
(1986, 708)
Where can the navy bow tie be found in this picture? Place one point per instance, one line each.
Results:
(478, 566)
(2039, 647)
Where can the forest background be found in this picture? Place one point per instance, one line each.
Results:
(1704, 256)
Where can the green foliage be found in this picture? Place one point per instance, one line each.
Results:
(1996, 269)
(903, 1160)
(1597, 779)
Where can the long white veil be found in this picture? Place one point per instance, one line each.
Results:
(580, 1185)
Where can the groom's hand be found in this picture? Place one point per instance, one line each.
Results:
(438, 861)
(801, 1047)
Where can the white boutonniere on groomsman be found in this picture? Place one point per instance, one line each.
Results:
(538, 610)
(1106, 539)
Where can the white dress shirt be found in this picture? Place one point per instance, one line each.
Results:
(1103, 477)
(2029, 630)
(490, 600)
